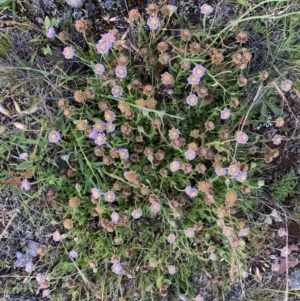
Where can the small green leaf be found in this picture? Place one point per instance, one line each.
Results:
(47, 23)
(159, 281)
(25, 165)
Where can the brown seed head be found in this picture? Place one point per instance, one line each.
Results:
(241, 37)
(143, 52)
(185, 34)
(89, 92)
(230, 198)
(82, 25)
(136, 84)
(123, 60)
(68, 224)
(152, 9)
(148, 90)
(263, 75)
(279, 122)
(151, 103)
(195, 47)
(79, 96)
(200, 168)
(185, 65)
(209, 125)
(162, 46)
(98, 151)
(103, 105)
(62, 103)
(74, 202)
(140, 102)
(68, 112)
(164, 58)
(133, 15)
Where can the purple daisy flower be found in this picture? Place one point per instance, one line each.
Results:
(199, 298)
(108, 38)
(69, 52)
(244, 232)
(99, 69)
(155, 207)
(171, 238)
(123, 153)
(103, 47)
(117, 91)
(54, 136)
(182, 298)
(110, 196)
(137, 213)
(25, 185)
(93, 134)
(242, 137)
(121, 71)
(65, 157)
(282, 232)
(50, 32)
(285, 251)
(191, 192)
(192, 100)
(220, 171)
(268, 220)
(227, 231)
(40, 278)
(115, 217)
(189, 232)
(73, 254)
(199, 71)
(242, 176)
(193, 80)
(190, 154)
(225, 113)
(206, 9)
(99, 127)
(174, 133)
(174, 166)
(23, 156)
(117, 268)
(275, 267)
(276, 215)
(213, 256)
(233, 170)
(96, 193)
(277, 139)
(100, 139)
(172, 8)
(286, 85)
(109, 116)
(153, 23)
(29, 267)
(110, 127)
(56, 236)
(172, 269)
(45, 293)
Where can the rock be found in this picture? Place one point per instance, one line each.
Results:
(75, 3)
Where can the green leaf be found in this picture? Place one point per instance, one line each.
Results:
(159, 281)
(243, 2)
(47, 23)
(25, 165)
(276, 111)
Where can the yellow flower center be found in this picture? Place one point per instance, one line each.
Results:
(53, 136)
(193, 78)
(193, 193)
(174, 165)
(226, 114)
(117, 90)
(98, 68)
(287, 85)
(68, 52)
(199, 71)
(56, 236)
(121, 71)
(109, 196)
(233, 169)
(206, 8)
(153, 21)
(100, 138)
(193, 99)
